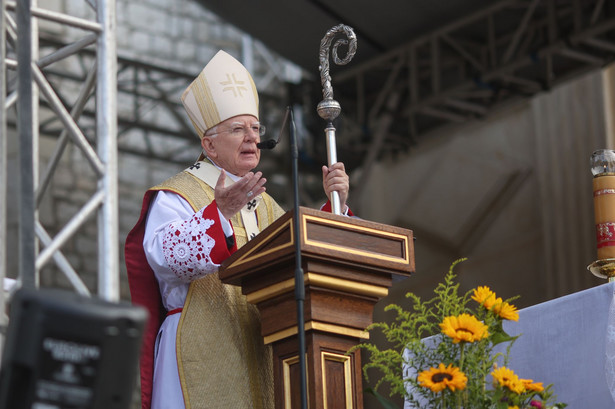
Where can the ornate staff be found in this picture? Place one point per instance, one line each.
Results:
(328, 109)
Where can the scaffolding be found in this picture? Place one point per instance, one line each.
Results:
(24, 86)
(469, 69)
(36, 83)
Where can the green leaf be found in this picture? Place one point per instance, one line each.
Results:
(387, 404)
(499, 335)
(502, 405)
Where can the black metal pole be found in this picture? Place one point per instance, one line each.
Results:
(299, 283)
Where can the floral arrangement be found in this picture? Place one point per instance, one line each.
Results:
(446, 347)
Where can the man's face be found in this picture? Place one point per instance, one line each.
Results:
(232, 144)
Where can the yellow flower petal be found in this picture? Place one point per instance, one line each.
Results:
(464, 327)
(530, 385)
(506, 311)
(437, 379)
(483, 295)
(506, 378)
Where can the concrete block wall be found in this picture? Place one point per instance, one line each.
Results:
(178, 34)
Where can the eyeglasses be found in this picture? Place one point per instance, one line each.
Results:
(240, 130)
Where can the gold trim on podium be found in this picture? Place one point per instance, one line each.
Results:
(317, 326)
(286, 364)
(350, 250)
(321, 280)
(270, 292)
(254, 254)
(354, 287)
(344, 360)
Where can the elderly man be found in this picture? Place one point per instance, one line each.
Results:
(203, 347)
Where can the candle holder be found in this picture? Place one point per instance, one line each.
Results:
(603, 169)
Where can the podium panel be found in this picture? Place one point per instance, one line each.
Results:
(347, 265)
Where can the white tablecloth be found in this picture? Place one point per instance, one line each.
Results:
(564, 342)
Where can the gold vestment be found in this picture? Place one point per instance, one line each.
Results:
(222, 360)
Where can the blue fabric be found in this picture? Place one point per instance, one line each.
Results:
(563, 342)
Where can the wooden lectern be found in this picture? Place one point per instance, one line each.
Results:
(348, 265)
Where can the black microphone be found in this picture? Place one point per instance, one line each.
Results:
(271, 143)
(268, 144)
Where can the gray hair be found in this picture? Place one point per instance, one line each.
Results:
(214, 131)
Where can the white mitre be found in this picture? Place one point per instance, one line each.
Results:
(223, 89)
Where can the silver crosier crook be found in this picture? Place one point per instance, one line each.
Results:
(328, 109)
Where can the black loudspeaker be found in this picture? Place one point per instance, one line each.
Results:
(67, 351)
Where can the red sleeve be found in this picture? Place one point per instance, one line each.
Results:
(221, 251)
(327, 208)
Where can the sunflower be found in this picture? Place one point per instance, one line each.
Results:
(530, 385)
(483, 295)
(505, 377)
(506, 311)
(437, 379)
(464, 327)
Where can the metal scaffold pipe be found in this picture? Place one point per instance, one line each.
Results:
(106, 129)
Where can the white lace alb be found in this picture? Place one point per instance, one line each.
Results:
(187, 247)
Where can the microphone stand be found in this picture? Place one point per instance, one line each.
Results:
(299, 283)
(328, 109)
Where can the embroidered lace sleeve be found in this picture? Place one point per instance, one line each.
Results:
(187, 247)
(181, 245)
